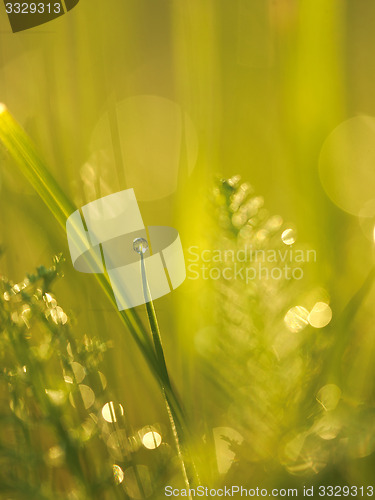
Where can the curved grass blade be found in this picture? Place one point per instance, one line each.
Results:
(23, 151)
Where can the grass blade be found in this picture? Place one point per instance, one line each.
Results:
(23, 151)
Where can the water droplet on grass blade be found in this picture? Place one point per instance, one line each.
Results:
(140, 245)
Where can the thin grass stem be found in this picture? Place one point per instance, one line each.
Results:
(167, 390)
(23, 151)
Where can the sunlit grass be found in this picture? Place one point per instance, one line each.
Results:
(275, 377)
(26, 157)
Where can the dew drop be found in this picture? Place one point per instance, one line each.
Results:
(238, 219)
(79, 372)
(25, 315)
(320, 315)
(68, 379)
(87, 395)
(140, 245)
(18, 407)
(111, 412)
(151, 439)
(296, 319)
(288, 236)
(69, 350)
(234, 181)
(118, 474)
(58, 316)
(50, 300)
(103, 380)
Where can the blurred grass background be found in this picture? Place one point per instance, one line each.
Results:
(258, 86)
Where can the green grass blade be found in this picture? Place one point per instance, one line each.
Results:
(23, 151)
